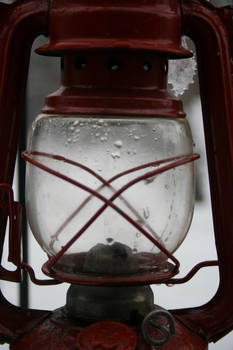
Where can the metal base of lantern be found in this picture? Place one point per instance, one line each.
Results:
(119, 318)
(60, 332)
(96, 303)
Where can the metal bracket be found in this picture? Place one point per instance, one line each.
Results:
(13, 211)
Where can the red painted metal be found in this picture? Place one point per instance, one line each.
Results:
(39, 282)
(52, 334)
(20, 23)
(16, 321)
(96, 89)
(12, 210)
(193, 272)
(107, 335)
(147, 26)
(134, 24)
(53, 266)
(213, 40)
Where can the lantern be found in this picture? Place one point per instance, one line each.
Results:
(110, 170)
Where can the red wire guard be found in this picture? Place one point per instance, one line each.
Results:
(171, 163)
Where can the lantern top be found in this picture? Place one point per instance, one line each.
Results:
(139, 25)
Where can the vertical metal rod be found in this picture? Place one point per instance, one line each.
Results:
(24, 293)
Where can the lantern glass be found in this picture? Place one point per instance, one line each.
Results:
(105, 155)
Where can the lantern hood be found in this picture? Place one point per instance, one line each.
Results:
(130, 25)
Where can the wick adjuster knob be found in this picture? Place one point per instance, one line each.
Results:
(156, 323)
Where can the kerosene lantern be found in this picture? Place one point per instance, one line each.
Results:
(110, 170)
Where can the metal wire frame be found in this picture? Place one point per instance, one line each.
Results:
(11, 209)
(171, 163)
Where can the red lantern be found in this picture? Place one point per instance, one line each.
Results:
(110, 170)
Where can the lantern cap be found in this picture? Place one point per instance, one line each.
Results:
(59, 47)
(139, 25)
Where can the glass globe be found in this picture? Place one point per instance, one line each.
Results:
(106, 187)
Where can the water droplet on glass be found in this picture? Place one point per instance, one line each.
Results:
(75, 123)
(149, 180)
(136, 137)
(109, 240)
(146, 213)
(138, 234)
(116, 155)
(157, 133)
(100, 121)
(33, 126)
(118, 143)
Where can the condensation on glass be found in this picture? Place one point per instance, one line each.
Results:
(106, 148)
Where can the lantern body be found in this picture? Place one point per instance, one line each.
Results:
(151, 27)
(106, 154)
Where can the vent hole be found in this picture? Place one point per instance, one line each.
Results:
(80, 62)
(113, 64)
(147, 66)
